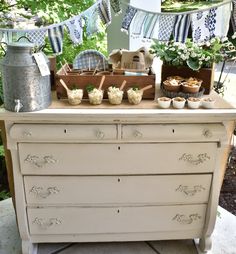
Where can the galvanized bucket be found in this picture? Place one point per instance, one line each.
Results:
(24, 89)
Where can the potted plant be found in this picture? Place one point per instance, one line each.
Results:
(192, 59)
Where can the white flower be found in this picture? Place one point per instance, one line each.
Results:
(193, 54)
(208, 44)
(213, 40)
(183, 57)
(172, 49)
(234, 36)
(176, 43)
(224, 39)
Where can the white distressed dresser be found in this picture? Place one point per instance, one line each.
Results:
(117, 174)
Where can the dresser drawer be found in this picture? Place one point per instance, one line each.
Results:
(72, 220)
(117, 189)
(47, 132)
(115, 159)
(172, 132)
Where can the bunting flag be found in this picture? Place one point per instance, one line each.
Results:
(129, 15)
(166, 26)
(11, 36)
(181, 27)
(204, 25)
(91, 18)
(104, 11)
(138, 21)
(116, 6)
(55, 36)
(37, 37)
(222, 20)
(208, 23)
(150, 25)
(200, 31)
(75, 29)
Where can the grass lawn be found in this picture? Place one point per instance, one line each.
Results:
(180, 6)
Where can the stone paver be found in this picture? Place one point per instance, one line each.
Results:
(110, 248)
(175, 247)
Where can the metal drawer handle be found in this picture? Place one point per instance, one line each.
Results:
(35, 160)
(39, 192)
(47, 223)
(202, 157)
(190, 191)
(138, 134)
(100, 134)
(184, 219)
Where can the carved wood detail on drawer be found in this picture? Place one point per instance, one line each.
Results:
(79, 220)
(91, 190)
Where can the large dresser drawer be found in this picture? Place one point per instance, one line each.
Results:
(115, 159)
(55, 132)
(98, 190)
(74, 220)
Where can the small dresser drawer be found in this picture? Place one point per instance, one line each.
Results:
(48, 132)
(172, 132)
(116, 159)
(117, 189)
(96, 220)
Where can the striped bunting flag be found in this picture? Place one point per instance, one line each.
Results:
(55, 36)
(149, 25)
(104, 11)
(181, 27)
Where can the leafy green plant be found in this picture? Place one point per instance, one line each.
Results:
(89, 88)
(194, 55)
(2, 154)
(49, 12)
(4, 195)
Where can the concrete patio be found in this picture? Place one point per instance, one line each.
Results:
(224, 240)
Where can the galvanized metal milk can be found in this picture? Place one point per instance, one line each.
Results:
(24, 89)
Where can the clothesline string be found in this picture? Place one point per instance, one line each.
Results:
(99, 1)
(179, 13)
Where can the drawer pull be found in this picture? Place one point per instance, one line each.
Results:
(190, 191)
(35, 160)
(190, 158)
(184, 219)
(47, 223)
(207, 133)
(138, 134)
(39, 192)
(27, 134)
(100, 134)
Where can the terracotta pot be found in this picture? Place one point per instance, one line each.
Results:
(205, 74)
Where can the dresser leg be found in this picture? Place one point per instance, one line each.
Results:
(205, 244)
(29, 248)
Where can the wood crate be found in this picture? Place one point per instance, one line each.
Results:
(75, 79)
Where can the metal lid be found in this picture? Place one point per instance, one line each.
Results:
(21, 45)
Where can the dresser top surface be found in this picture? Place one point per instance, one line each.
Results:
(60, 110)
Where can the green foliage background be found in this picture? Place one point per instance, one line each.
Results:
(54, 12)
